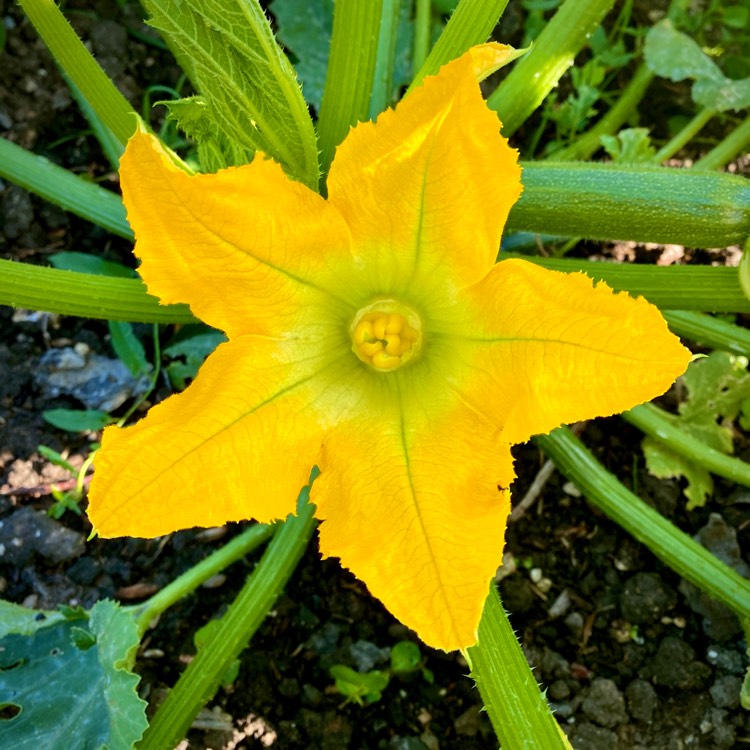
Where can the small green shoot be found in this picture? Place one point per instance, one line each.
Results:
(629, 146)
(359, 687)
(367, 687)
(406, 658)
(128, 348)
(67, 498)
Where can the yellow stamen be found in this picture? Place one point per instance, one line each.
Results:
(386, 334)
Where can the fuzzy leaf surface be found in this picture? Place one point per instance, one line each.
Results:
(248, 86)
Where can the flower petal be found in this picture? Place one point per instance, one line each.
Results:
(547, 348)
(416, 507)
(218, 452)
(430, 184)
(241, 246)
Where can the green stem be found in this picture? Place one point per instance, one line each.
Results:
(538, 72)
(422, 21)
(200, 681)
(63, 188)
(710, 331)
(350, 74)
(675, 548)
(382, 88)
(627, 103)
(735, 143)
(110, 144)
(517, 708)
(685, 135)
(85, 295)
(191, 579)
(69, 51)
(471, 23)
(661, 426)
(705, 288)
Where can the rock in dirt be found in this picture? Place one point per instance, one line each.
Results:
(722, 732)
(642, 700)
(721, 540)
(16, 207)
(675, 666)
(468, 723)
(98, 382)
(719, 622)
(645, 599)
(725, 692)
(110, 46)
(27, 531)
(366, 655)
(728, 659)
(589, 737)
(604, 703)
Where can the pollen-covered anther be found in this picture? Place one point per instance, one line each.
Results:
(386, 334)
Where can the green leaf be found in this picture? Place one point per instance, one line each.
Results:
(82, 638)
(249, 89)
(78, 420)
(304, 28)
(87, 263)
(54, 457)
(405, 657)
(736, 16)
(629, 146)
(722, 95)
(717, 385)
(215, 150)
(194, 349)
(128, 348)
(358, 686)
(17, 620)
(65, 691)
(671, 54)
(666, 464)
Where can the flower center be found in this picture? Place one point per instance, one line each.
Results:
(386, 334)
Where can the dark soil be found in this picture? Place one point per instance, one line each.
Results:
(631, 656)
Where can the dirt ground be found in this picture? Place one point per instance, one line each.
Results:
(631, 656)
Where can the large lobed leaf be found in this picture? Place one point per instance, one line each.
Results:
(716, 386)
(250, 100)
(68, 674)
(671, 54)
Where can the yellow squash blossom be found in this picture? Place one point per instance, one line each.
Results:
(373, 334)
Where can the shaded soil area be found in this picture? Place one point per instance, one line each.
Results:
(631, 656)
